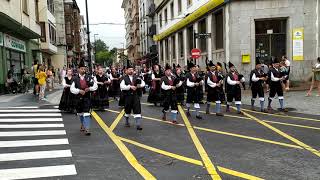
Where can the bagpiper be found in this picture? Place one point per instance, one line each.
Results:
(114, 89)
(276, 78)
(233, 88)
(180, 89)
(214, 82)
(257, 79)
(82, 86)
(100, 96)
(168, 86)
(130, 85)
(193, 84)
(155, 92)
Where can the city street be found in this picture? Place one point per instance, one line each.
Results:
(39, 141)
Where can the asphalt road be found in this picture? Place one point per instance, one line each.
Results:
(250, 146)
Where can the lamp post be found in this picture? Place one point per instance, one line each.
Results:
(95, 47)
(89, 43)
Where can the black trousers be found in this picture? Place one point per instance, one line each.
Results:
(257, 90)
(170, 100)
(276, 89)
(132, 103)
(234, 93)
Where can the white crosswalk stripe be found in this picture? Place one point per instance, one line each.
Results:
(34, 144)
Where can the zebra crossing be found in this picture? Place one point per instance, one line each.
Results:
(34, 144)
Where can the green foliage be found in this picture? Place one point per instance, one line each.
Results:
(104, 56)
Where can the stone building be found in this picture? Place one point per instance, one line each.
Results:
(240, 32)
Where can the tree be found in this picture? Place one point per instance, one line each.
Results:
(103, 54)
(100, 46)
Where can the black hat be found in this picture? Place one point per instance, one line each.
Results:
(219, 64)
(276, 60)
(129, 65)
(211, 64)
(81, 64)
(231, 65)
(173, 65)
(178, 66)
(191, 65)
(167, 67)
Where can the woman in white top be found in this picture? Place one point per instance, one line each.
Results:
(315, 78)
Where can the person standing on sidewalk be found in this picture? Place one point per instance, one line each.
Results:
(50, 79)
(130, 85)
(315, 78)
(35, 80)
(62, 74)
(42, 78)
(82, 86)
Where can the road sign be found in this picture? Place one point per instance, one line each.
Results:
(195, 53)
(202, 35)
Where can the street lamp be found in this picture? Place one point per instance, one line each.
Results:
(89, 43)
(95, 46)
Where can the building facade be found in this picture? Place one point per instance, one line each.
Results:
(48, 31)
(131, 8)
(19, 33)
(73, 39)
(59, 60)
(240, 32)
(84, 39)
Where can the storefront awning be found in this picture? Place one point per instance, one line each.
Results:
(212, 4)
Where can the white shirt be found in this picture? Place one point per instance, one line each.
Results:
(255, 78)
(64, 84)
(231, 82)
(210, 83)
(75, 90)
(125, 87)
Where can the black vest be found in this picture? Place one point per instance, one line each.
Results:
(259, 74)
(135, 82)
(69, 82)
(89, 80)
(167, 82)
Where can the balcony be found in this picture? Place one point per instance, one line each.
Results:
(129, 44)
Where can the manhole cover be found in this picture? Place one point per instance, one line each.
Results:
(202, 176)
(156, 161)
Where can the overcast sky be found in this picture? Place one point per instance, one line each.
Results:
(105, 11)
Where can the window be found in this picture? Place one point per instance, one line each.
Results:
(161, 51)
(219, 30)
(160, 20)
(180, 39)
(203, 29)
(43, 32)
(190, 35)
(52, 33)
(173, 41)
(36, 3)
(25, 6)
(166, 16)
(172, 10)
(189, 2)
(179, 6)
(50, 6)
(167, 49)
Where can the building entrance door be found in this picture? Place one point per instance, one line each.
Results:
(270, 39)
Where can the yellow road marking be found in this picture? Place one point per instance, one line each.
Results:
(298, 142)
(189, 160)
(202, 152)
(116, 122)
(272, 122)
(224, 133)
(124, 150)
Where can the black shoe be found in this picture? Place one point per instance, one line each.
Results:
(188, 114)
(198, 117)
(139, 128)
(87, 132)
(175, 122)
(240, 112)
(283, 110)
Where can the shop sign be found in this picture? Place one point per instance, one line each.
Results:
(298, 36)
(1, 39)
(14, 43)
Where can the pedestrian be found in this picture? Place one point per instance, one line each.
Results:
(114, 90)
(34, 78)
(233, 88)
(26, 80)
(129, 86)
(49, 79)
(62, 74)
(287, 65)
(100, 96)
(257, 79)
(168, 87)
(42, 78)
(155, 94)
(82, 86)
(315, 78)
(214, 82)
(122, 99)
(193, 95)
(201, 76)
(180, 89)
(276, 79)
(67, 98)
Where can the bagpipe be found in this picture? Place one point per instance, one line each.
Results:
(240, 76)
